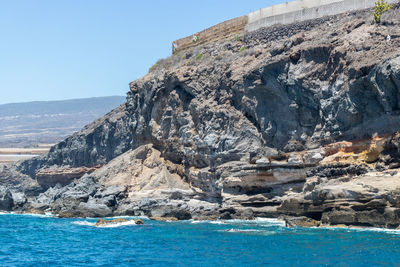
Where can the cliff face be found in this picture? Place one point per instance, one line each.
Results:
(252, 127)
(97, 143)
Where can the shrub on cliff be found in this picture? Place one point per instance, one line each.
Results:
(381, 6)
(199, 56)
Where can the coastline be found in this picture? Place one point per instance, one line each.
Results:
(256, 221)
(284, 123)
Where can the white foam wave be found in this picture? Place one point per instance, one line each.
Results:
(270, 221)
(110, 225)
(249, 231)
(114, 225)
(129, 217)
(389, 231)
(218, 222)
(84, 223)
(360, 229)
(38, 215)
(243, 230)
(46, 215)
(258, 221)
(211, 222)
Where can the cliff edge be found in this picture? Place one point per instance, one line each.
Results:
(290, 120)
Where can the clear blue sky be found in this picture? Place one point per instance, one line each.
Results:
(61, 49)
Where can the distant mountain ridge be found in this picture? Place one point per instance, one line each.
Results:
(61, 106)
(31, 123)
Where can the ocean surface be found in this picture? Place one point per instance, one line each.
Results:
(46, 241)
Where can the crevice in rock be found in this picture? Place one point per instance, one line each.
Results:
(257, 204)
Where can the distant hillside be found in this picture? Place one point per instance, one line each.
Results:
(31, 123)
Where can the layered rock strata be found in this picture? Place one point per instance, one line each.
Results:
(63, 176)
(297, 120)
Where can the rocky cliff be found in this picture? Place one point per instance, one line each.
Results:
(295, 120)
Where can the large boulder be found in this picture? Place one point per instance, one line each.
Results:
(301, 222)
(19, 199)
(170, 212)
(102, 222)
(86, 209)
(92, 209)
(6, 199)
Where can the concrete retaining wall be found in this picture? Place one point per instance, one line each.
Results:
(301, 10)
(285, 13)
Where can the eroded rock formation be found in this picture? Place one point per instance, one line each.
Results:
(296, 120)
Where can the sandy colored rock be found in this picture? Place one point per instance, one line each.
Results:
(102, 222)
(164, 219)
(301, 222)
(51, 177)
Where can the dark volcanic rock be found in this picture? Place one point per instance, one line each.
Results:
(6, 199)
(11, 178)
(298, 124)
(91, 209)
(97, 143)
(168, 211)
(199, 116)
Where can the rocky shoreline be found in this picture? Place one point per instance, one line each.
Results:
(295, 121)
(337, 185)
(286, 221)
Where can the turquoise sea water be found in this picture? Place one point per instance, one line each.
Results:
(45, 241)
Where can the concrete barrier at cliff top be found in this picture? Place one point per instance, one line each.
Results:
(302, 10)
(286, 13)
